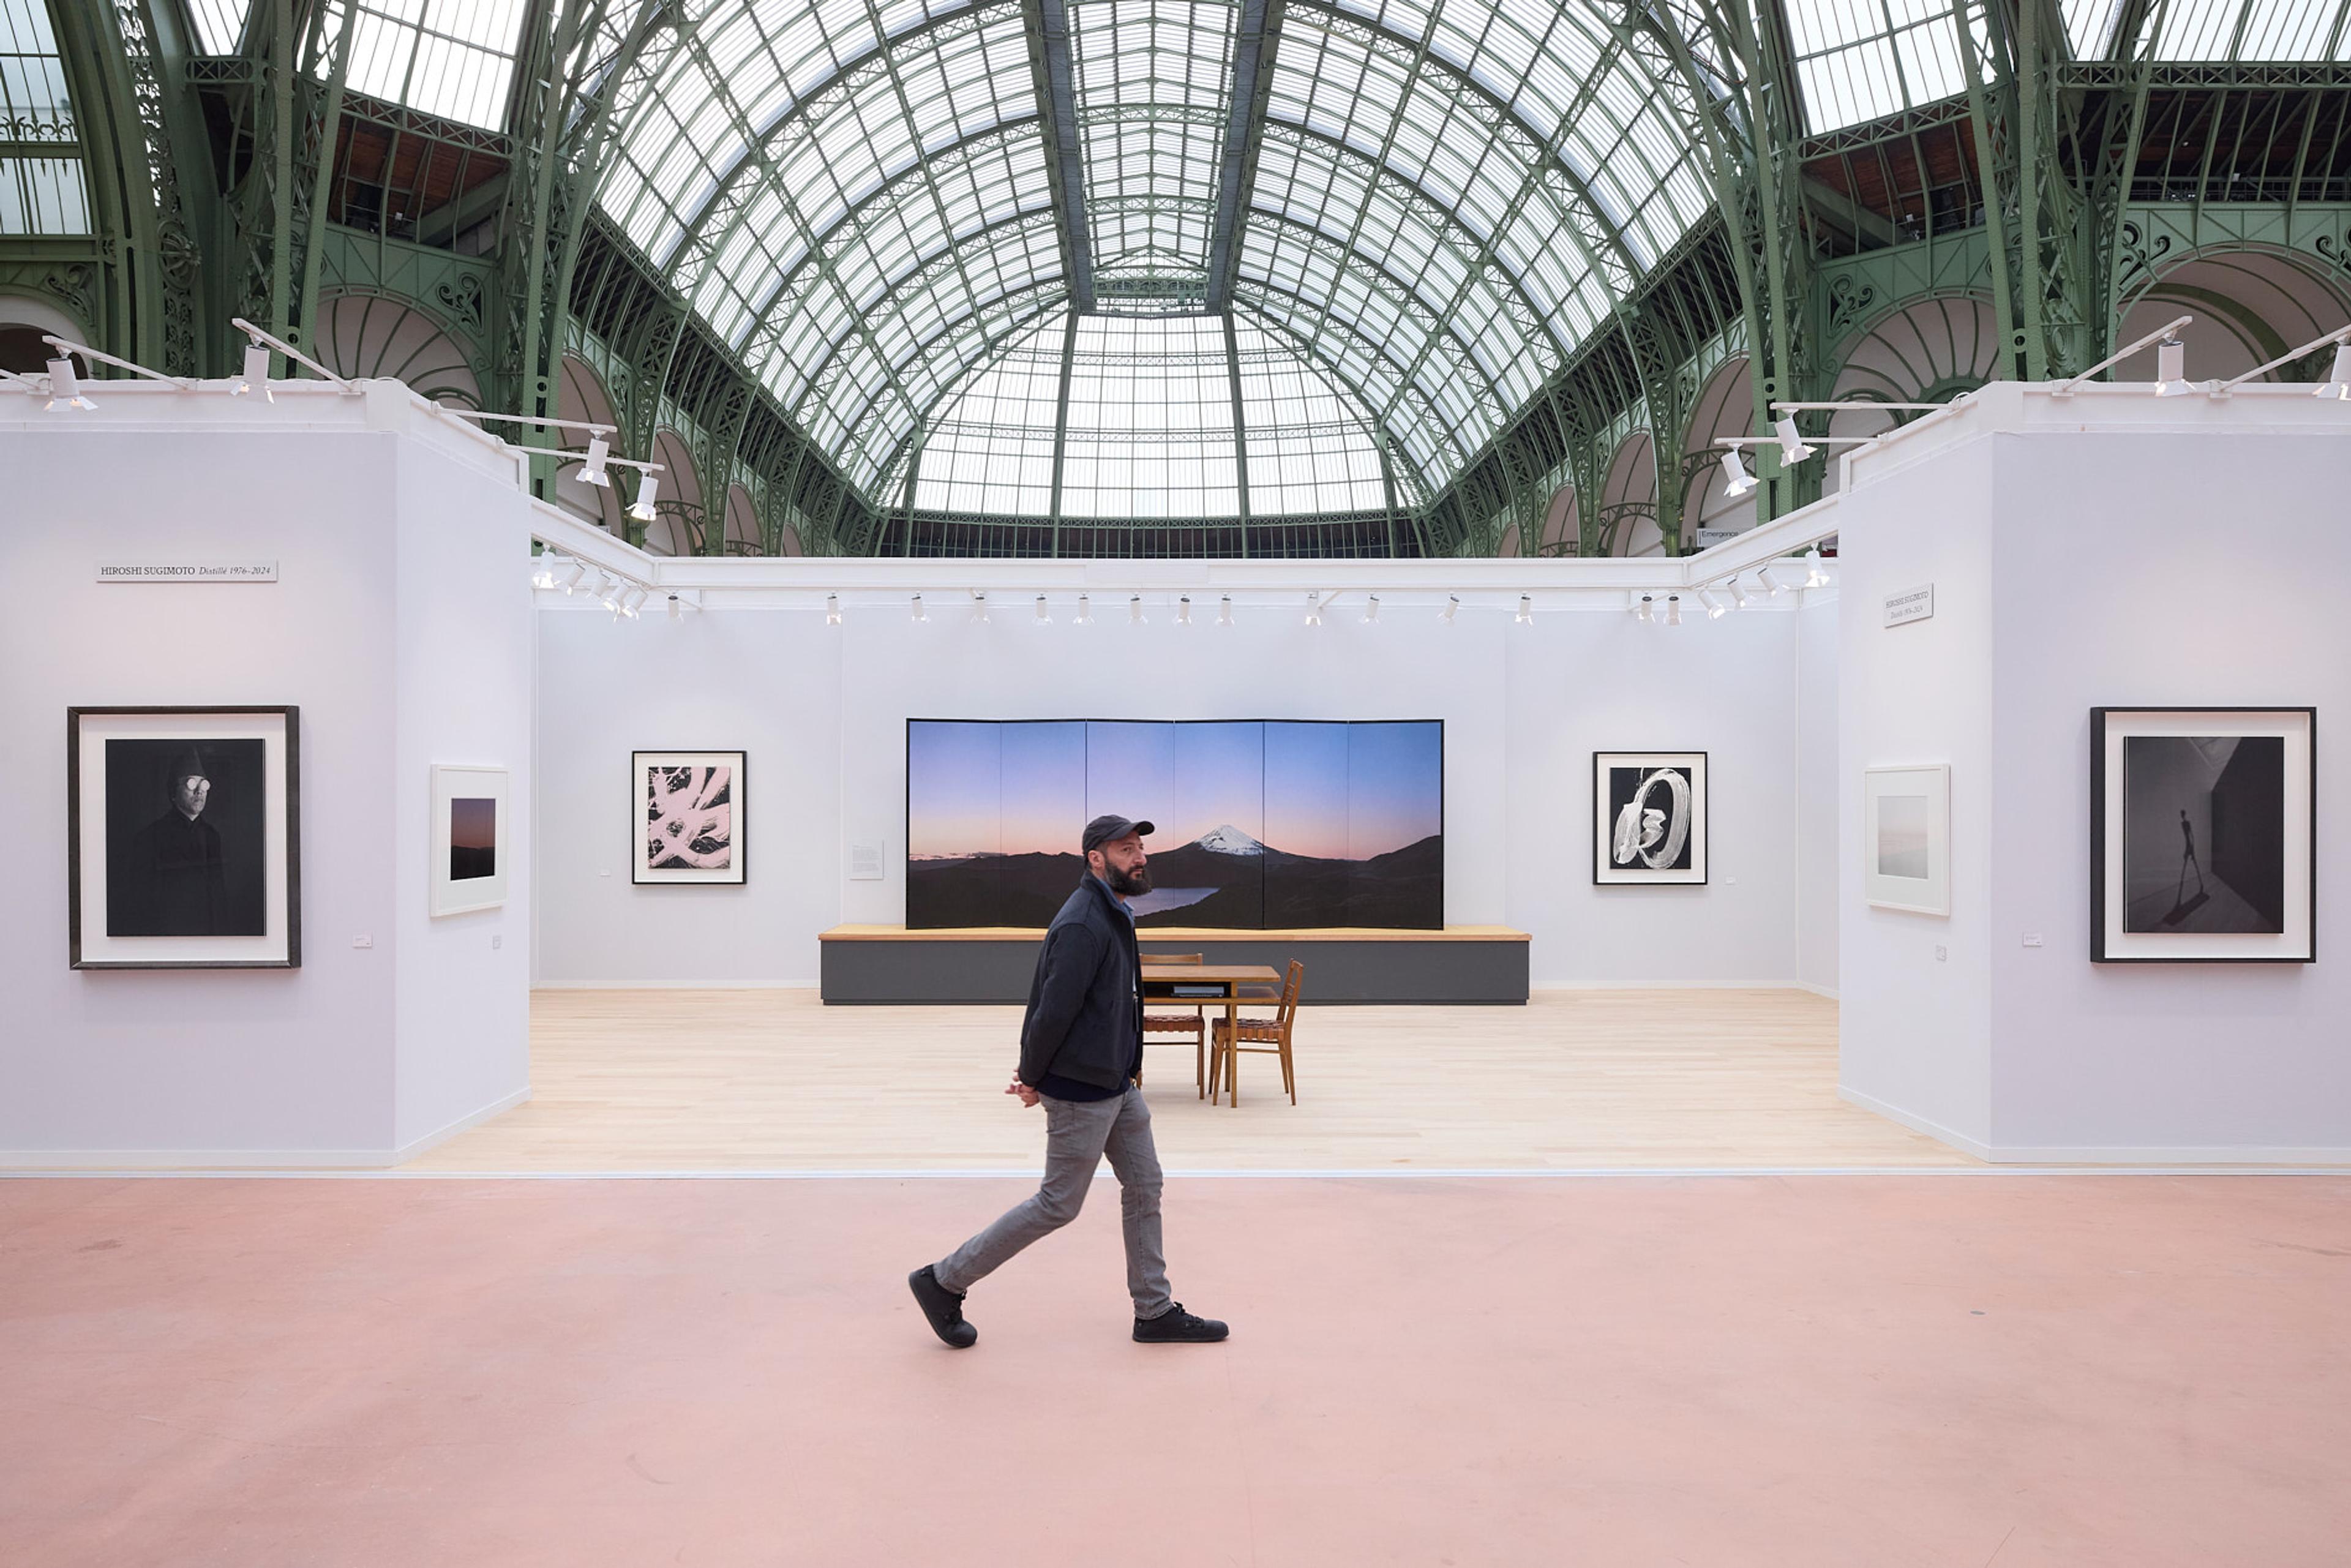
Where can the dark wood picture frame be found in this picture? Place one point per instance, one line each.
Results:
(741, 840)
(291, 717)
(2099, 719)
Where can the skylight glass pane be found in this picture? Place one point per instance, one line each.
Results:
(43, 187)
(991, 449)
(219, 24)
(2249, 30)
(1308, 449)
(454, 58)
(1858, 60)
(2090, 26)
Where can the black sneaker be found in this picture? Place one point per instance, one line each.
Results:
(1176, 1326)
(945, 1309)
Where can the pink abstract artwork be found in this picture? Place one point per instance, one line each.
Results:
(689, 819)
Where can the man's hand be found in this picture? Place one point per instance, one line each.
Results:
(1028, 1095)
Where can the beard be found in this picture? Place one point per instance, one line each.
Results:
(1124, 884)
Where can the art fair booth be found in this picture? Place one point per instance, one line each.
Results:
(348, 758)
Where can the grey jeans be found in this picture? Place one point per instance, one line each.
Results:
(1078, 1133)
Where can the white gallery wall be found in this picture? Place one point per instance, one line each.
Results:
(821, 712)
(398, 649)
(2112, 551)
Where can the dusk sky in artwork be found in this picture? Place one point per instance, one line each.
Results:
(1330, 790)
(472, 822)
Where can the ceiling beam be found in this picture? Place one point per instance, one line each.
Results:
(1253, 50)
(1046, 24)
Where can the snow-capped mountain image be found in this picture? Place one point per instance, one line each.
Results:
(1230, 840)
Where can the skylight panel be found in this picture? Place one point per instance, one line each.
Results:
(220, 24)
(454, 58)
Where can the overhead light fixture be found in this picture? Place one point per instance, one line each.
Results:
(2172, 369)
(1313, 610)
(1525, 610)
(1641, 608)
(1737, 594)
(919, 617)
(1044, 616)
(1673, 608)
(1452, 607)
(592, 472)
(643, 510)
(2338, 379)
(65, 387)
(832, 609)
(978, 608)
(569, 580)
(1085, 615)
(1225, 611)
(543, 574)
(1135, 609)
(677, 612)
(607, 591)
(1715, 608)
(1791, 446)
(1739, 481)
(1773, 584)
(1816, 576)
(1184, 609)
(256, 374)
(632, 601)
(1372, 609)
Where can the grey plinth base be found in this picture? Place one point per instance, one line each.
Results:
(1462, 965)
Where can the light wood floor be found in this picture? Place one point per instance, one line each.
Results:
(743, 1080)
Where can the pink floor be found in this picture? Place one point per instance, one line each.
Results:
(1971, 1369)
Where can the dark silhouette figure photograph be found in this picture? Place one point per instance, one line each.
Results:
(2204, 833)
(184, 838)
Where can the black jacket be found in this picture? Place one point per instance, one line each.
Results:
(1085, 1012)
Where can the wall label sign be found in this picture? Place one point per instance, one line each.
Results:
(188, 571)
(1910, 605)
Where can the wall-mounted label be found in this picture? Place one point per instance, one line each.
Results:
(1910, 605)
(188, 571)
(865, 862)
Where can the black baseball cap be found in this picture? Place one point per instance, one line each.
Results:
(1102, 829)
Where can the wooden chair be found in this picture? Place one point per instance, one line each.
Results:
(1271, 1037)
(1194, 1023)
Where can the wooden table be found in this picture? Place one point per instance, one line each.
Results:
(1228, 980)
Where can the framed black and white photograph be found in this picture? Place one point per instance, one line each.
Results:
(1905, 836)
(2202, 839)
(689, 816)
(469, 839)
(183, 828)
(1648, 818)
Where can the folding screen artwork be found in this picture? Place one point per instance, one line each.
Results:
(1260, 824)
(1649, 818)
(2202, 835)
(469, 839)
(689, 816)
(185, 833)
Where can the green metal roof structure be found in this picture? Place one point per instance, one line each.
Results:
(1168, 277)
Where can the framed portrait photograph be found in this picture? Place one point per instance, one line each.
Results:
(689, 816)
(2203, 844)
(1648, 826)
(469, 839)
(1905, 838)
(183, 834)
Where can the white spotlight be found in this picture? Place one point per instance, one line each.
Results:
(608, 590)
(919, 616)
(832, 609)
(677, 612)
(2338, 379)
(1184, 609)
(633, 601)
(1452, 607)
(1673, 608)
(1135, 609)
(1739, 481)
(592, 471)
(2172, 369)
(569, 580)
(1773, 584)
(1372, 609)
(643, 511)
(1044, 616)
(256, 373)
(1792, 449)
(1816, 575)
(65, 387)
(1225, 611)
(1715, 608)
(1085, 615)
(1641, 608)
(543, 574)
(978, 608)
(1313, 610)
(1737, 594)
(1526, 616)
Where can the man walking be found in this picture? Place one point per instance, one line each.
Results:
(1081, 1054)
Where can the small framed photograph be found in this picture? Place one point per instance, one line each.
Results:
(2203, 841)
(689, 816)
(1906, 838)
(184, 827)
(1649, 822)
(469, 839)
